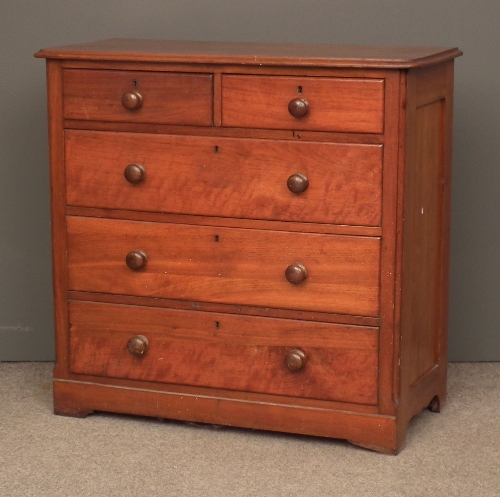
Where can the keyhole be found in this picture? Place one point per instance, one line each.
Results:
(216, 238)
(299, 89)
(216, 149)
(134, 82)
(217, 324)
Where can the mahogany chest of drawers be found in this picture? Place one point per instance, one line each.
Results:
(252, 235)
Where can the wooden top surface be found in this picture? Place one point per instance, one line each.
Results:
(198, 52)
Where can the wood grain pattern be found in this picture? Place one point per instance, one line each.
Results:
(202, 52)
(225, 351)
(237, 395)
(168, 98)
(246, 310)
(424, 255)
(422, 233)
(432, 84)
(215, 68)
(421, 239)
(277, 134)
(374, 430)
(336, 104)
(225, 265)
(213, 211)
(225, 177)
(158, 217)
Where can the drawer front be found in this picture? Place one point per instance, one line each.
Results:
(225, 351)
(334, 104)
(225, 265)
(167, 98)
(243, 178)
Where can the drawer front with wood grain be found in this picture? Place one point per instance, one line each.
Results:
(138, 97)
(305, 271)
(303, 103)
(242, 178)
(252, 354)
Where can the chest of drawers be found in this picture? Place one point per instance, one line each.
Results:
(251, 235)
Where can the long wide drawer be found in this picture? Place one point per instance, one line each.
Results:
(252, 354)
(328, 104)
(226, 265)
(244, 178)
(139, 97)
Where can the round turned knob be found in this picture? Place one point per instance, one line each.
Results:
(136, 259)
(134, 173)
(298, 107)
(138, 345)
(296, 273)
(295, 360)
(132, 100)
(297, 183)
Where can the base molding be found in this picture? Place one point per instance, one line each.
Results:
(377, 432)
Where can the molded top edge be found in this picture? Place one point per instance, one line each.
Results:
(242, 53)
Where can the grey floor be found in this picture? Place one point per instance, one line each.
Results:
(455, 453)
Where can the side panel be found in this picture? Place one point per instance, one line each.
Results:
(426, 224)
(422, 240)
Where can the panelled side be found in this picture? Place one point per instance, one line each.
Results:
(425, 254)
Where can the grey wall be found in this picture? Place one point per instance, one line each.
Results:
(26, 323)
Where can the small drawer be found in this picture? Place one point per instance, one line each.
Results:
(252, 354)
(247, 178)
(352, 105)
(279, 269)
(138, 97)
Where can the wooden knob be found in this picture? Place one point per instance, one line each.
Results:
(138, 345)
(134, 173)
(297, 183)
(136, 259)
(298, 107)
(132, 100)
(296, 273)
(295, 360)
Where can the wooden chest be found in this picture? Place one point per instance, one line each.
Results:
(252, 235)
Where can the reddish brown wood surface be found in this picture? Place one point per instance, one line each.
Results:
(210, 293)
(246, 310)
(158, 217)
(422, 234)
(336, 104)
(73, 398)
(274, 134)
(226, 177)
(225, 351)
(202, 52)
(421, 240)
(425, 209)
(388, 365)
(58, 217)
(219, 69)
(225, 265)
(168, 98)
